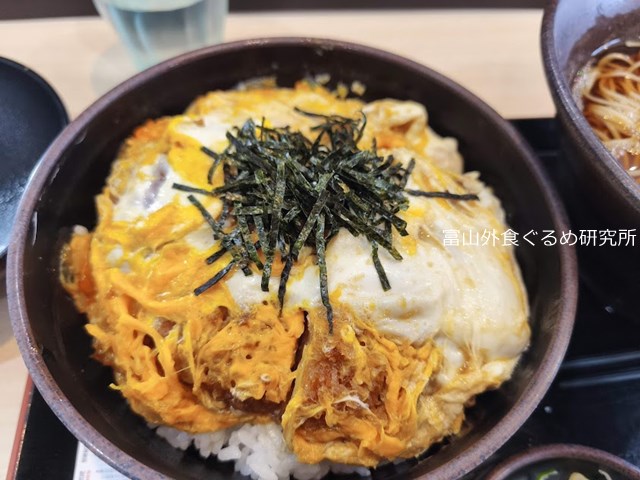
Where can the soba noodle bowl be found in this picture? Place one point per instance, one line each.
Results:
(609, 91)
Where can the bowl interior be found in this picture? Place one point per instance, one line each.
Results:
(584, 27)
(50, 331)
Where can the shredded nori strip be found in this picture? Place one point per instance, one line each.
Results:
(275, 224)
(229, 241)
(445, 195)
(216, 161)
(187, 188)
(284, 278)
(283, 191)
(215, 226)
(215, 279)
(382, 275)
(313, 215)
(259, 226)
(322, 267)
(246, 237)
(214, 257)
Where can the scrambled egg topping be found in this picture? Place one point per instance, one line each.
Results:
(400, 366)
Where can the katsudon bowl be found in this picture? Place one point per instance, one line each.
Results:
(50, 332)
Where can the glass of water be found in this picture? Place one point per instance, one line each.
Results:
(154, 30)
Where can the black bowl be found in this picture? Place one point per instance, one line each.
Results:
(565, 458)
(31, 115)
(572, 30)
(600, 194)
(50, 331)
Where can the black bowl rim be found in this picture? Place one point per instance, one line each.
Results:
(608, 168)
(62, 407)
(56, 102)
(561, 451)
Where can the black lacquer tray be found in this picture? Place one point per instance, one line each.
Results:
(594, 401)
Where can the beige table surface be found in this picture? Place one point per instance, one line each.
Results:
(494, 53)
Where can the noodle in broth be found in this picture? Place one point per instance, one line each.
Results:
(611, 105)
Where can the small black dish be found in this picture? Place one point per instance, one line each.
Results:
(559, 461)
(31, 115)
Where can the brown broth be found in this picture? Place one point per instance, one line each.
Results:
(608, 91)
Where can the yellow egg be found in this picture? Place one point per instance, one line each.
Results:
(399, 367)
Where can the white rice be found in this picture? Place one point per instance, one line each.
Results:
(258, 451)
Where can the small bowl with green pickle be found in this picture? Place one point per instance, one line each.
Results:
(564, 462)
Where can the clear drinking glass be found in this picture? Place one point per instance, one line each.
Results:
(154, 30)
